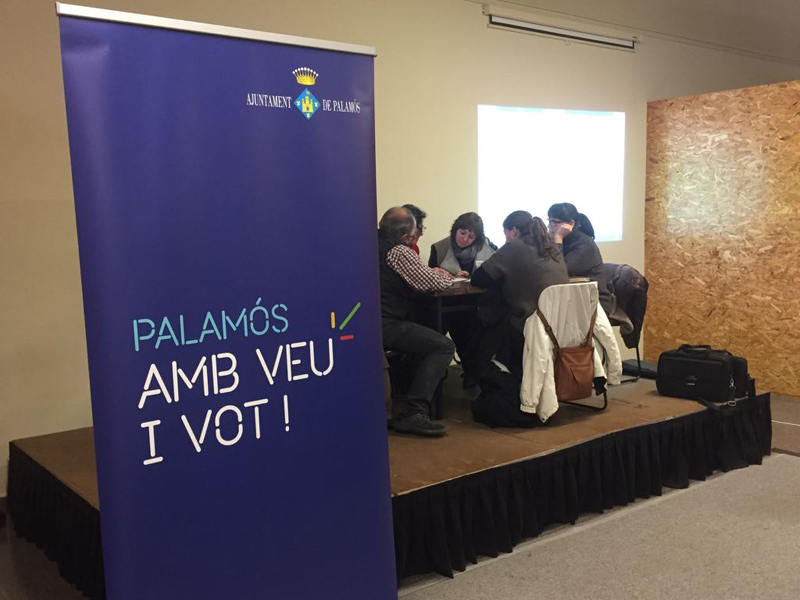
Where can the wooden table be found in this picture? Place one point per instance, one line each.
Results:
(461, 296)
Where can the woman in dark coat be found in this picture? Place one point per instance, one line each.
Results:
(528, 263)
(573, 233)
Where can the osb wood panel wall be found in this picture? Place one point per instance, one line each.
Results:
(722, 228)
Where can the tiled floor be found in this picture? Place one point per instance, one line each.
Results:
(26, 574)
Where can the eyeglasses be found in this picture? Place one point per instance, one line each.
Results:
(421, 228)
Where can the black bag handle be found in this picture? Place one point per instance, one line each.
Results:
(697, 350)
(701, 350)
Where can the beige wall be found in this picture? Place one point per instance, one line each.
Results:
(722, 242)
(437, 61)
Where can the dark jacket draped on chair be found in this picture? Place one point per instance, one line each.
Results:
(630, 288)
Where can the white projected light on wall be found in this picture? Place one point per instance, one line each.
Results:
(531, 158)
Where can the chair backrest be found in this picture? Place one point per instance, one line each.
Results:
(572, 308)
(568, 308)
(630, 289)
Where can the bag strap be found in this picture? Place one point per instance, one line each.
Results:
(591, 329)
(548, 329)
(733, 401)
(718, 407)
(552, 335)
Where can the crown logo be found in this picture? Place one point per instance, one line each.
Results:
(305, 76)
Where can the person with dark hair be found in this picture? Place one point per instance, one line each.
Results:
(573, 233)
(467, 244)
(458, 255)
(402, 275)
(419, 216)
(523, 267)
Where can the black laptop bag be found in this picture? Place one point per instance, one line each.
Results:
(702, 373)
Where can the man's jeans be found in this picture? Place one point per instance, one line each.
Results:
(435, 350)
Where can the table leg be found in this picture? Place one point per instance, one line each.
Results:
(437, 408)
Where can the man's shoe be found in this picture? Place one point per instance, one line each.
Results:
(469, 379)
(469, 382)
(419, 424)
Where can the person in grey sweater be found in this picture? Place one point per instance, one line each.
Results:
(467, 244)
(458, 254)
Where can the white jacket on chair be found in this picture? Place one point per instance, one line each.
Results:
(568, 308)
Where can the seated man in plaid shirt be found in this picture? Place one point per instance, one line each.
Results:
(402, 275)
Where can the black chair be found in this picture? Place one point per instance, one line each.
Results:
(630, 290)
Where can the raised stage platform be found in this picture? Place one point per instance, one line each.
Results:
(477, 491)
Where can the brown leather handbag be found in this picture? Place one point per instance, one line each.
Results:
(573, 366)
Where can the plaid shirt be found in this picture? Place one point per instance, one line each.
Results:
(420, 277)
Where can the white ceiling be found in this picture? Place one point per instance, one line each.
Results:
(770, 28)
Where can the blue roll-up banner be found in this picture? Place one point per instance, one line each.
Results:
(225, 200)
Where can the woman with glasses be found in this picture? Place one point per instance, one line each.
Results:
(573, 233)
(419, 217)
